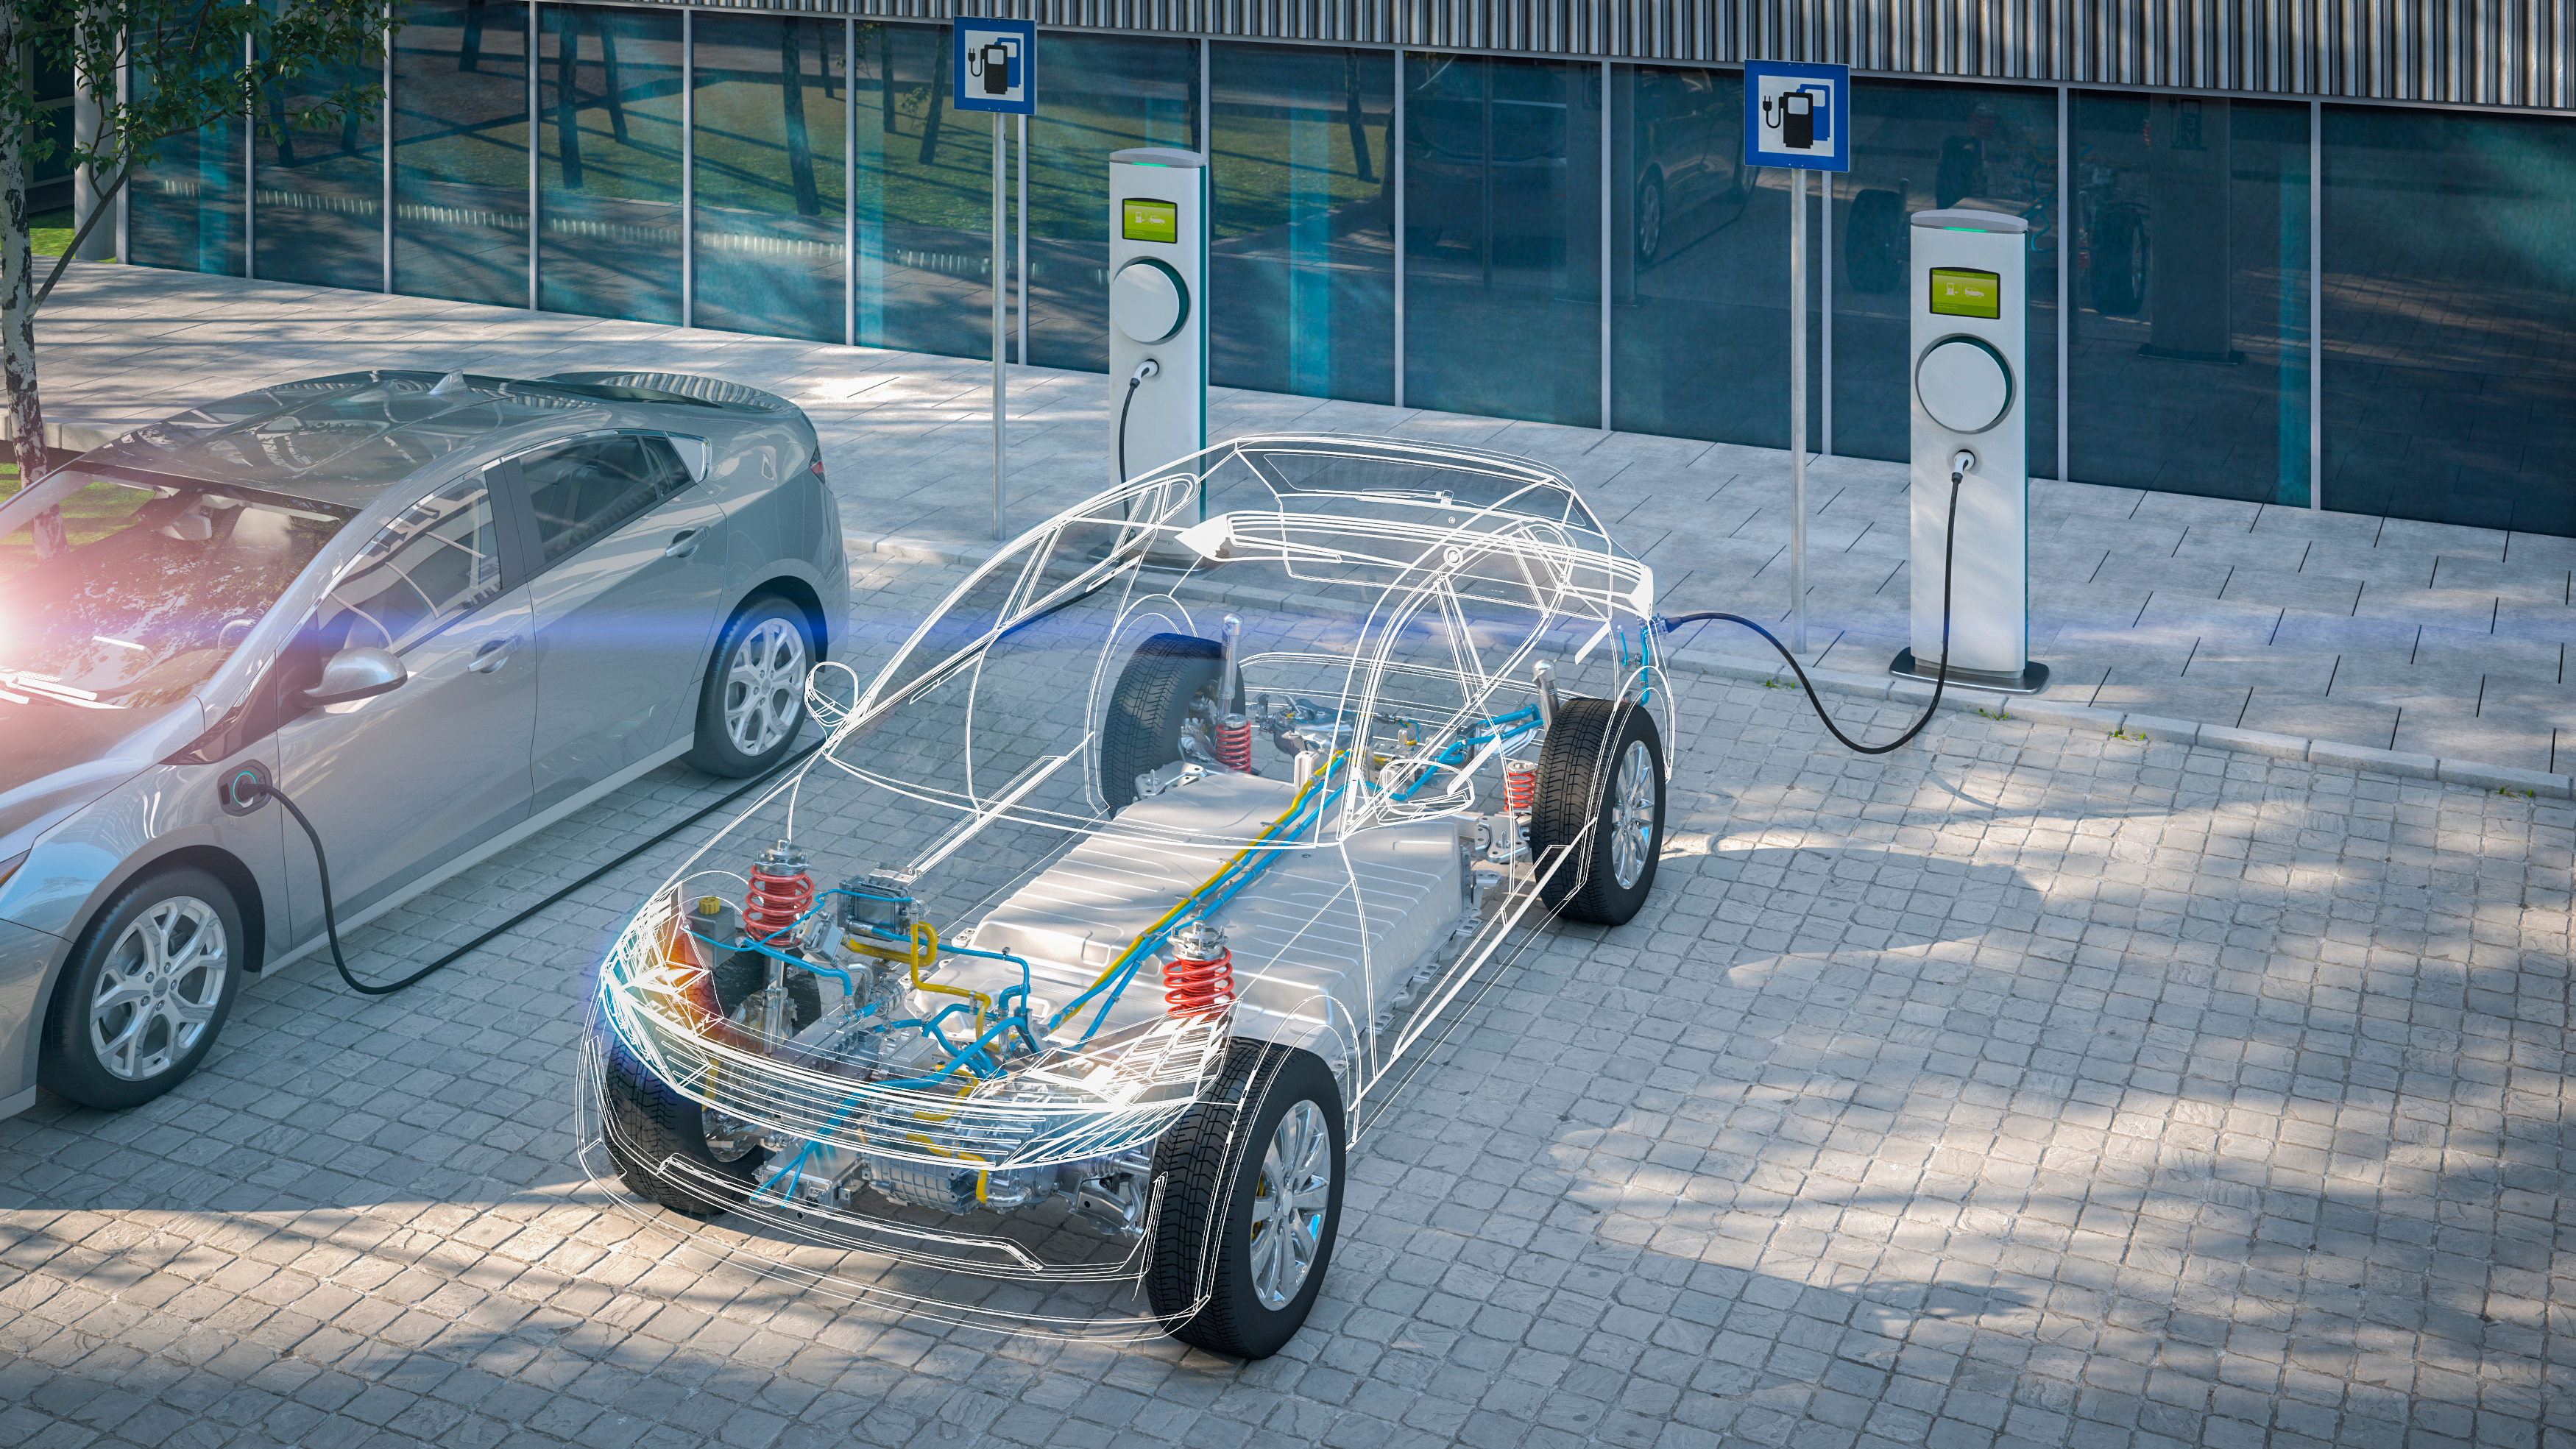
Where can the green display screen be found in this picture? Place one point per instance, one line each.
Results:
(1153, 221)
(1963, 292)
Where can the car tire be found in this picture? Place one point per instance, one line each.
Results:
(753, 701)
(1650, 220)
(1601, 765)
(657, 1138)
(145, 992)
(1150, 705)
(1236, 1261)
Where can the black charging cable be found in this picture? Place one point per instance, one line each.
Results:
(1940, 682)
(247, 789)
(1145, 369)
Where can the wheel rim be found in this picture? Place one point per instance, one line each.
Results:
(1650, 222)
(1288, 1205)
(764, 686)
(158, 989)
(1632, 814)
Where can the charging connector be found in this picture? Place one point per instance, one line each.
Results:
(1145, 369)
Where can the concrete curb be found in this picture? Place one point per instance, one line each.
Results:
(2503, 779)
(2150, 729)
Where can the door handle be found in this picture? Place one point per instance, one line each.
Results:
(493, 654)
(683, 543)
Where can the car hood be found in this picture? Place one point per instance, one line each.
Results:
(56, 758)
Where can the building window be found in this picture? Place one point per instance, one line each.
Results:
(1301, 258)
(2449, 300)
(1097, 94)
(461, 153)
(1502, 237)
(608, 162)
(770, 202)
(2188, 341)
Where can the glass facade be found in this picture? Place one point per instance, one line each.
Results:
(1301, 245)
(2188, 343)
(2450, 317)
(1917, 146)
(460, 120)
(772, 198)
(608, 162)
(1502, 237)
(1454, 232)
(319, 187)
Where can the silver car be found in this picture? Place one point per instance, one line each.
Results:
(440, 611)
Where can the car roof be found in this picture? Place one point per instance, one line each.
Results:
(335, 444)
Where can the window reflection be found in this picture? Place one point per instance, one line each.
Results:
(461, 153)
(321, 187)
(770, 113)
(431, 566)
(608, 155)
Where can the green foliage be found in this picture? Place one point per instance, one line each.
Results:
(184, 59)
(1998, 713)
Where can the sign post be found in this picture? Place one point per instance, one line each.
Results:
(1797, 116)
(997, 72)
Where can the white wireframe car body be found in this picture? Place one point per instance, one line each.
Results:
(1073, 960)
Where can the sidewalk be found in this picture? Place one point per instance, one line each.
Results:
(2428, 640)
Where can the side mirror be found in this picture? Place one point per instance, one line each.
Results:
(361, 673)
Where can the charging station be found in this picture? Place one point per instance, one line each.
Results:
(1971, 388)
(1158, 359)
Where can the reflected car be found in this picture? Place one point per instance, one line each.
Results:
(439, 611)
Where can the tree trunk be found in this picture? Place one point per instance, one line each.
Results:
(18, 304)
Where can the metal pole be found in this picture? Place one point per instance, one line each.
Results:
(1825, 313)
(688, 163)
(1798, 412)
(1606, 274)
(2059, 223)
(2316, 307)
(385, 209)
(849, 183)
(534, 189)
(1395, 174)
(1020, 241)
(1000, 289)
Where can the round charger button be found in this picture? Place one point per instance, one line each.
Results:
(1149, 301)
(1964, 384)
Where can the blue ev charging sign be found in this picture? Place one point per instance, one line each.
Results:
(1797, 115)
(996, 66)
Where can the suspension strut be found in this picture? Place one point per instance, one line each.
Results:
(1199, 979)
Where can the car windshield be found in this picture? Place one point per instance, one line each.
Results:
(158, 588)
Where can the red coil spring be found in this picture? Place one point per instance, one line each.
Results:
(1234, 743)
(1198, 988)
(1520, 785)
(775, 901)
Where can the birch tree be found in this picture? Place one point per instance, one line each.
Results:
(154, 69)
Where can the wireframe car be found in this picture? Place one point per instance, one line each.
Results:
(439, 611)
(1051, 990)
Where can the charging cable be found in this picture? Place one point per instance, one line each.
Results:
(1145, 369)
(250, 785)
(1959, 467)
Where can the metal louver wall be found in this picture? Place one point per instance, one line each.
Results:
(2458, 52)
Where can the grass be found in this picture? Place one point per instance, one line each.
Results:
(2121, 733)
(51, 233)
(1996, 713)
(93, 513)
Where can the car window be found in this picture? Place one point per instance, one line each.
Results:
(158, 588)
(433, 565)
(583, 490)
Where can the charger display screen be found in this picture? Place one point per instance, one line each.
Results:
(1150, 221)
(1966, 292)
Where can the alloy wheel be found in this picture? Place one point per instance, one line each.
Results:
(159, 988)
(1288, 1205)
(764, 686)
(1632, 814)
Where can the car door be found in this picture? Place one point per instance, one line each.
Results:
(629, 554)
(409, 780)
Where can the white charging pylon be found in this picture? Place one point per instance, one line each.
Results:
(1970, 392)
(1158, 364)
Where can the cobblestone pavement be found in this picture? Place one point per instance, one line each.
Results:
(2427, 639)
(2028, 1086)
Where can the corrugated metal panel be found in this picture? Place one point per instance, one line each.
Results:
(2459, 52)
